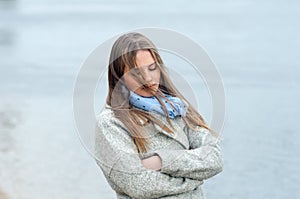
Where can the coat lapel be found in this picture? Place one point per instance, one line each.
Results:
(179, 135)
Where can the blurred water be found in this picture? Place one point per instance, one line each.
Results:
(43, 43)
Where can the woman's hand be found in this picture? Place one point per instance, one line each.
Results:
(153, 163)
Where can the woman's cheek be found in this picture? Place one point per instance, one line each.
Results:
(134, 85)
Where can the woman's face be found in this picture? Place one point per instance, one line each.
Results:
(149, 71)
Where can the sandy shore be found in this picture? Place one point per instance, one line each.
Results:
(3, 195)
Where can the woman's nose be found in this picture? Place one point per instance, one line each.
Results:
(147, 77)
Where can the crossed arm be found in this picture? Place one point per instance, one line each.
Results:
(180, 170)
(202, 161)
(124, 170)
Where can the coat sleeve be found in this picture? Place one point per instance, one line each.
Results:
(202, 161)
(123, 169)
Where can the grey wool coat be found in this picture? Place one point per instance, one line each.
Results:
(188, 158)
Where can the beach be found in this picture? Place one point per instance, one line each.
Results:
(254, 44)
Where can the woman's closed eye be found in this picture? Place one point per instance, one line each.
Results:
(152, 67)
(135, 71)
(142, 70)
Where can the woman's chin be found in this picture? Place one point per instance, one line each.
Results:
(144, 92)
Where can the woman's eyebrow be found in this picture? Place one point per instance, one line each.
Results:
(147, 65)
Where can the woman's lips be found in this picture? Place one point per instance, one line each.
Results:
(152, 86)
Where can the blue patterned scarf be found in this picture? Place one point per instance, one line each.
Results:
(152, 104)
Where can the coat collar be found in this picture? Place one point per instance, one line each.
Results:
(178, 124)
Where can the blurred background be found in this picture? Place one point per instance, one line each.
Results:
(255, 45)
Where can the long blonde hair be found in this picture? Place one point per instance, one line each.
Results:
(123, 53)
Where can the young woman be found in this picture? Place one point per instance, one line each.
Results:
(150, 142)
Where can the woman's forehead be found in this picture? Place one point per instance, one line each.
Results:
(145, 67)
(143, 58)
